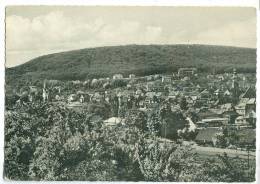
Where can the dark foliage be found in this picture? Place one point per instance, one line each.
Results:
(138, 59)
(49, 142)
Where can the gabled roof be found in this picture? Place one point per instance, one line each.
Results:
(207, 134)
(205, 91)
(227, 106)
(249, 93)
(227, 92)
(217, 91)
(113, 121)
(251, 101)
(251, 114)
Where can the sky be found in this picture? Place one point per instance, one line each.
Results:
(32, 31)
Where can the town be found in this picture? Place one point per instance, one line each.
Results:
(208, 109)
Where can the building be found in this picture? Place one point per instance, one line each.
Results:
(241, 120)
(113, 121)
(187, 72)
(131, 76)
(118, 76)
(45, 94)
(166, 79)
(245, 106)
(207, 136)
(72, 98)
(215, 122)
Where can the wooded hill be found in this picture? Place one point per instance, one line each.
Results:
(137, 59)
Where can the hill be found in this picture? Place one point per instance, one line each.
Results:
(137, 59)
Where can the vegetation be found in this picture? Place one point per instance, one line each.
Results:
(49, 142)
(138, 59)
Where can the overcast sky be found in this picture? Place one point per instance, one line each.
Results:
(39, 30)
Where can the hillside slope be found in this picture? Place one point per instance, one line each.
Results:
(137, 59)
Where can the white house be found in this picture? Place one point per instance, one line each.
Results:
(113, 121)
(131, 76)
(118, 76)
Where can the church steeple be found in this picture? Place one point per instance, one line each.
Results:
(235, 86)
(234, 79)
(45, 94)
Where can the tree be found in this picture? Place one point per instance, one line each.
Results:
(116, 83)
(183, 104)
(220, 140)
(164, 161)
(171, 122)
(138, 119)
(226, 169)
(153, 122)
(44, 141)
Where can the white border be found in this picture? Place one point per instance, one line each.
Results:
(4, 3)
(248, 3)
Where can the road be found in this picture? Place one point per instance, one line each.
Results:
(206, 152)
(230, 152)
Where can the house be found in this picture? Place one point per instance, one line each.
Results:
(240, 121)
(246, 121)
(51, 82)
(249, 93)
(118, 76)
(215, 122)
(206, 136)
(205, 95)
(245, 106)
(33, 89)
(231, 115)
(241, 108)
(149, 78)
(150, 94)
(227, 93)
(189, 100)
(131, 76)
(226, 107)
(251, 104)
(186, 78)
(72, 98)
(138, 92)
(98, 96)
(173, 94)
(187, 72)
(251, 119)
(218, 92)
(76, 82)
(166, 79)
(86, 83)
(113, 121)
(77, 106)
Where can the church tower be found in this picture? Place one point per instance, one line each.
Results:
(45, 94)
(235, 86)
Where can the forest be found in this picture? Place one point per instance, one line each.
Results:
(140, 60)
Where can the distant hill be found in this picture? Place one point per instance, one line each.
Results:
(137, 59)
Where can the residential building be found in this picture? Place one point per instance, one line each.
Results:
(187, 72)
(118, 76)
